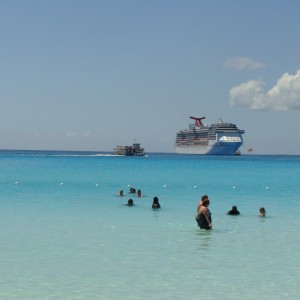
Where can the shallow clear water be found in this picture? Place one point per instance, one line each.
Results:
(66, 235)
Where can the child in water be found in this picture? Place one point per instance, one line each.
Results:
(262, 212)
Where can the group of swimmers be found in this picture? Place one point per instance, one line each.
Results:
(203, 214)
(131, 191)
(155, 203)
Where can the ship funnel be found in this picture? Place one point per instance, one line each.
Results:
(198, 122)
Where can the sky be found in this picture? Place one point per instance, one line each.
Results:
(89, 75)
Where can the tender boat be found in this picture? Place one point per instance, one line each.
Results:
(134, 150)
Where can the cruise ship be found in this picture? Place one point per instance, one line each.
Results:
(219, 138)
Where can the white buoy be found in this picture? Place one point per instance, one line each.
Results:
(61, 183)
(129, 185)
(195, 186)
(17, 182)
(164, 185)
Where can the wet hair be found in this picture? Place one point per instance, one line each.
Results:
(155, 203)
(130, 202)
(234, 208)
(205, 202)
(155, 200)
(204, 197)
(262, 210)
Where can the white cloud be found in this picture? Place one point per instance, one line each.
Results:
(71, 134)
(284, 96)
(78, 135)
(86, 134)
(240, 63)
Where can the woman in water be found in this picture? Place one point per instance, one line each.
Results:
(234, 211)
(198, 207)
(155, 203)
(204, 218)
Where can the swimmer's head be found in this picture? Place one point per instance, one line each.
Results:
(130, 202)
(205, 202)
(262, 211)
(155, 200)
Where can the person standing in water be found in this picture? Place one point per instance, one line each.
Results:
(198, 207)
(204, 219)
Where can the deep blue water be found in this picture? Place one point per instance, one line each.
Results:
(66, 235)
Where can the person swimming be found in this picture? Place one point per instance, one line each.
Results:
(234, 211)
(204, 219)
(121, 193)
(262, 212)
(139, 193)
(132, 191)
(130, 202)
(155, 203)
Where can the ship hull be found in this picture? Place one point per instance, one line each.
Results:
(213, 148)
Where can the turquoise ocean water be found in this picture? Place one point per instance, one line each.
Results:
(64, 234)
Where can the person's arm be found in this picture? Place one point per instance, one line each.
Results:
(198, 209)
(206, 213)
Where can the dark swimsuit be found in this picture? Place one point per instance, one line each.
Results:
(202, 222)
(233, 212)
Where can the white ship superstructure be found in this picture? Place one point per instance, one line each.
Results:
(219, 138)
